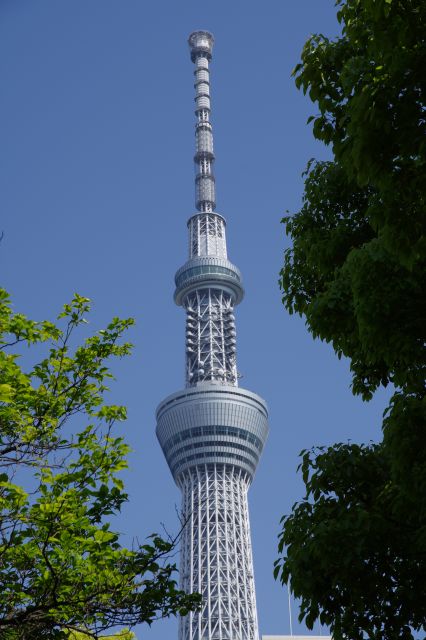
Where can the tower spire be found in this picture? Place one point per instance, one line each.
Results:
(201, 46)
(212, 432)
(207, 233)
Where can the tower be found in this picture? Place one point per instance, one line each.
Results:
(212, 432)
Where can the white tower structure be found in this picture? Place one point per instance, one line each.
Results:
(212, 432)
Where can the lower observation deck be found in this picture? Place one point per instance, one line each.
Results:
(212, 424)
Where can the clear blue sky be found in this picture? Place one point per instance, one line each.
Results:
(96, 185)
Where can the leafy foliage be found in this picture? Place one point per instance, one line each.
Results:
(351, 289)
(62, 568)
(125, 634)
(354, 549)
(355, 564)
(370, 89)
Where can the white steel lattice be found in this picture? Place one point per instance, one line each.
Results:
(207, 236)
(210, 337)
(216, 558)
(213, 432)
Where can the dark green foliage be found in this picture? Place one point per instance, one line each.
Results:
(370, 88)
(354, 550)
(62, 569)
(351, 289)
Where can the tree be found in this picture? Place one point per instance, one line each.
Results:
(125, 634)
(63, 572)
(354, 549)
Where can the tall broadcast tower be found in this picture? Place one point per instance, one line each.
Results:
(212, 432)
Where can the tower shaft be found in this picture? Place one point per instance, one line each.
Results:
(216, 553)
(212, 433)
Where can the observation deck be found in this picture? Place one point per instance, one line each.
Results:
(208, 271)
(212, 423)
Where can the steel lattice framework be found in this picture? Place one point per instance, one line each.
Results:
(216, 501)
(212, 433)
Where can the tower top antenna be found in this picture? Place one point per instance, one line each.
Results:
(201, 42)
(201, 46)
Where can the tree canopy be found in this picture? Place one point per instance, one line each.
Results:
(354, 549)
(124, 634)
(63, 572)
